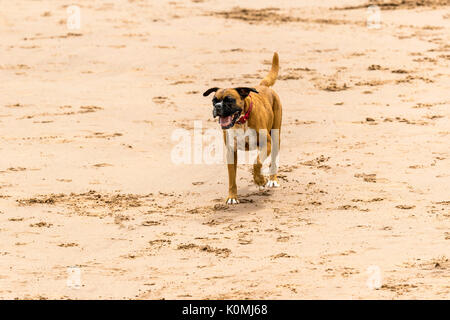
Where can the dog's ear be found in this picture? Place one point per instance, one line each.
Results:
(207, 92)
(244, 91)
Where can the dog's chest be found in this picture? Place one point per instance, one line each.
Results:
(244, 138)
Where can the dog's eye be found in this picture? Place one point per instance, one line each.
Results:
(215, 100)
(228, 99)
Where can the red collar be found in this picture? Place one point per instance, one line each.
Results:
(245, 117)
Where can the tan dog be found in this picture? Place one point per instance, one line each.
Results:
(246, 108)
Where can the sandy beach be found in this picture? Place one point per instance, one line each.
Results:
(93, 207)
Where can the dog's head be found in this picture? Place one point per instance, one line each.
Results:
(228, 104)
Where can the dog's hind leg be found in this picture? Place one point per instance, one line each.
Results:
(273, 170)
(275, 138)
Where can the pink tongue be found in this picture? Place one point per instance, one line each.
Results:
(224, 121)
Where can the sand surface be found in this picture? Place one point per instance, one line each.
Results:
(87, 181)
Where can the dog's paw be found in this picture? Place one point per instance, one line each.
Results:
(232, 200)
(272, 184)
(260, 181)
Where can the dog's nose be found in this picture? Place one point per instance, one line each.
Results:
(218, 109)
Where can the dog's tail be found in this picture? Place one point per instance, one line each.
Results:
(270, 79)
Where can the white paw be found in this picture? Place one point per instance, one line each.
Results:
(232, 201)
(272, 184)
(261, 188)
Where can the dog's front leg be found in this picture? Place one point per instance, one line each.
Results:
(258, 178)
(232, 168)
